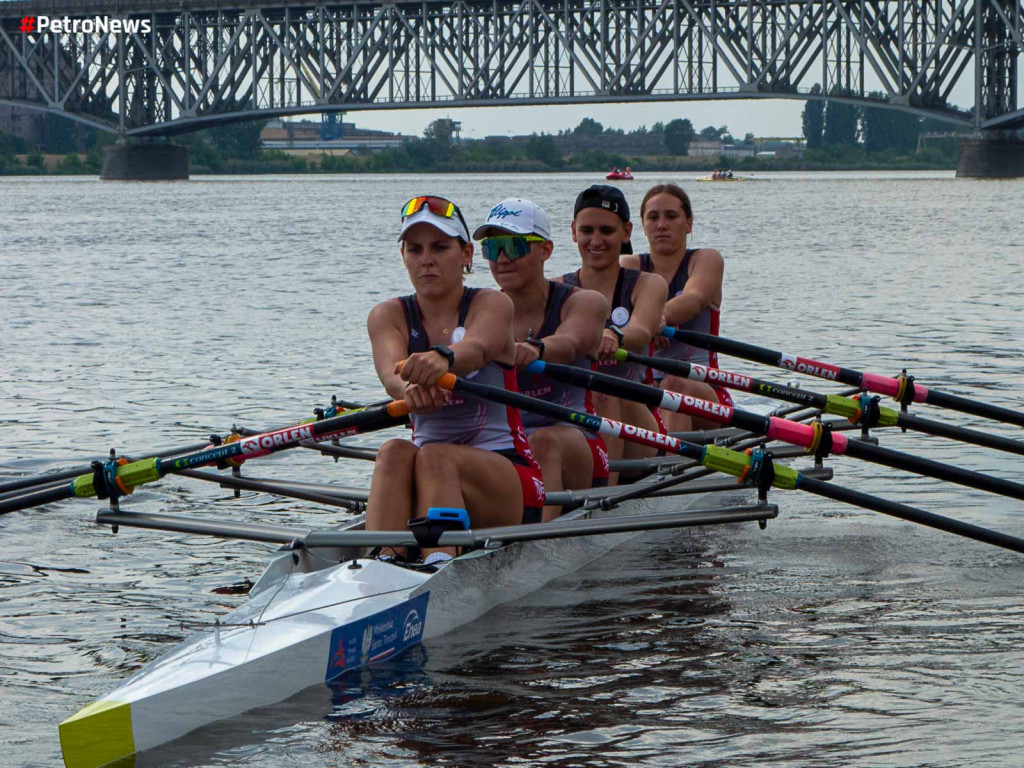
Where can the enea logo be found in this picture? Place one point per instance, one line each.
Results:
(413, 629)
(94, 25)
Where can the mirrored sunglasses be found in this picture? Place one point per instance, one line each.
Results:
(514, 246)
(438, 205)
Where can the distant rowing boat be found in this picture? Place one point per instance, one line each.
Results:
(734, 178)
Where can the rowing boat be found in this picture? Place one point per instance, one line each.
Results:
(320, 611)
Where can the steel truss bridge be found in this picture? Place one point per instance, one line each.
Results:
(212, 61)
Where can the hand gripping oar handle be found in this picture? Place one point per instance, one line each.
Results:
(150, 470)
(730, 462)
(805, 435)
(837, 405)
(873, 382)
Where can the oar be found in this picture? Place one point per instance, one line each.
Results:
(337, 451)
(337, 407)
(808, 436)
(49, 478)
(904, 390)
(116, 479)
(868, 413)
(733, 462)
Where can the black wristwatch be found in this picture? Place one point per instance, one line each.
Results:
(538, 344)
(444, 352)
(615, 329)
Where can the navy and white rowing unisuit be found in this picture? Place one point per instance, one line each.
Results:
(464, 420)
(706, 321)
(576, 398)
(544, 388)
(621, 312)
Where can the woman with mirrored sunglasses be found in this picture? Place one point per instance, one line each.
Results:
(465, 453)
(554, 322)
(600, 229)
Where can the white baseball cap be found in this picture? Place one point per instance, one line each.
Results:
(453, 226)
(518, 217)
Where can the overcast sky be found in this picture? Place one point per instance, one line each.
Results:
(762, 117)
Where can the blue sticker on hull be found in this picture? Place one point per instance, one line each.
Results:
(377, 637)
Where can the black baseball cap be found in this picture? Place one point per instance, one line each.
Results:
(603, 196)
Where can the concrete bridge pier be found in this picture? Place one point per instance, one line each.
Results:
(145, 162)
(991, 155)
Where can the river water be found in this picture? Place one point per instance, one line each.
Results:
(145, 316)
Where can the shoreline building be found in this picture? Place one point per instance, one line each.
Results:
(329, 136)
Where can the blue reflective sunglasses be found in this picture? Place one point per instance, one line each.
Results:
(514, 246)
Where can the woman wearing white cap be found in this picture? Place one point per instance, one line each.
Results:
(465, 452)
(553, 322)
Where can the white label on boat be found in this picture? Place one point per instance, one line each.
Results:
(787, 361)
(458, 335)
(620, 316)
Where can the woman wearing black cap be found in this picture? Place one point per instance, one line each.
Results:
(600, 228)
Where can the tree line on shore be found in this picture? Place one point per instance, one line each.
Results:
(837, 135)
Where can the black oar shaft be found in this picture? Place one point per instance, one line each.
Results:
(953, 432)
(911, 514)
(937, 469)
(37, 498)
(974, 407)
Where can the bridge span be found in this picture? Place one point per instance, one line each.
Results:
(196, 63)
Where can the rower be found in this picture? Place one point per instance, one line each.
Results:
(600, 228)
(553, 322)
(464, 453)
(694, 277)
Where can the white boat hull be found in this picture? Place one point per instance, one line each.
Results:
(304, 625)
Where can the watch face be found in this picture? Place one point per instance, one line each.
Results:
(620, 316)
